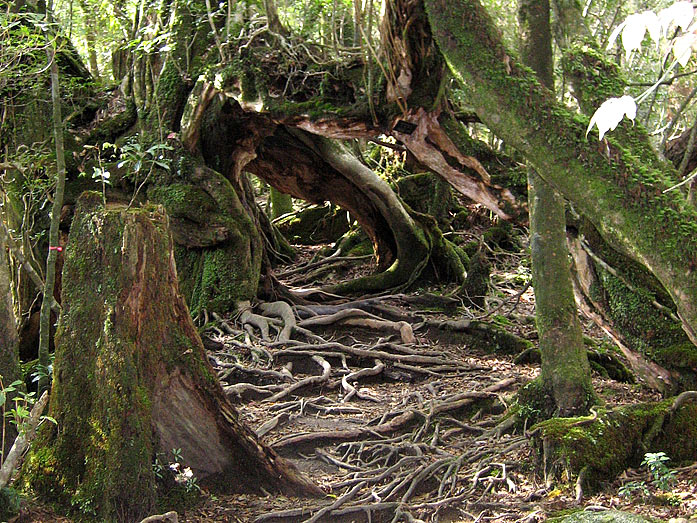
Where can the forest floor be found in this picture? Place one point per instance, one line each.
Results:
(403, 418)
(416, 428)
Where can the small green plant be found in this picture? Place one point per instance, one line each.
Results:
(15, 412)
(628, 490)
(181, 475)
(663, 477)
(99, 173)
(140, 162)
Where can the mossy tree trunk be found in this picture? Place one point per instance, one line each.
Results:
(617, 185)
(56, 207)
(132, 381)
(317, 169)
(280, 203)
(622, 296)
(565, 368)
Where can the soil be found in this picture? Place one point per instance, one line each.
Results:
(449, 462)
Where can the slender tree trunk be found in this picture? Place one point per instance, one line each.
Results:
(91, 29)
(9, 343)
(565, 367)
(45, 323)
(273, 20)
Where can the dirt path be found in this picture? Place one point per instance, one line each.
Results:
(416, 431)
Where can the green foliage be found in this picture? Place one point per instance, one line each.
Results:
(9, 503)
(655, 462)
(663, 477)
(16, 411)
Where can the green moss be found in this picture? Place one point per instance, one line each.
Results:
(363, 248)
(608, 516)
(618, 438)
(476, 285)
(594, 76)
(493, 338)
(9, 503)
(100, 466)
(183, 200)
(618, 184)
(115, 126)
(644, 327)
(533, 403)
(314, 224)
(501, 236)
(227, 270)
(678, 436)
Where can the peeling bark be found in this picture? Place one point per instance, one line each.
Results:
(431, 146)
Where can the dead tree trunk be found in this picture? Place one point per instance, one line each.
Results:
(132, 381)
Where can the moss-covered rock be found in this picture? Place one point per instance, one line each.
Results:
(607, 516)
(314, 224)
(614, 440)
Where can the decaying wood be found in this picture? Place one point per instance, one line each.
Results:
(431, 146)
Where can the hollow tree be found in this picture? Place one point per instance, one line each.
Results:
(617, 185)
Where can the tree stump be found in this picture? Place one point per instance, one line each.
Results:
(132, 381)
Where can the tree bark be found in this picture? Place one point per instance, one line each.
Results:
(565, 368)
(132, 380)
(618, 191)
(53, 235)
(90, 33)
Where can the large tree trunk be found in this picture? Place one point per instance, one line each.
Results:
(565, 368)
(618, 186)
(132, 381)
(616, 292)
(219, 248)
